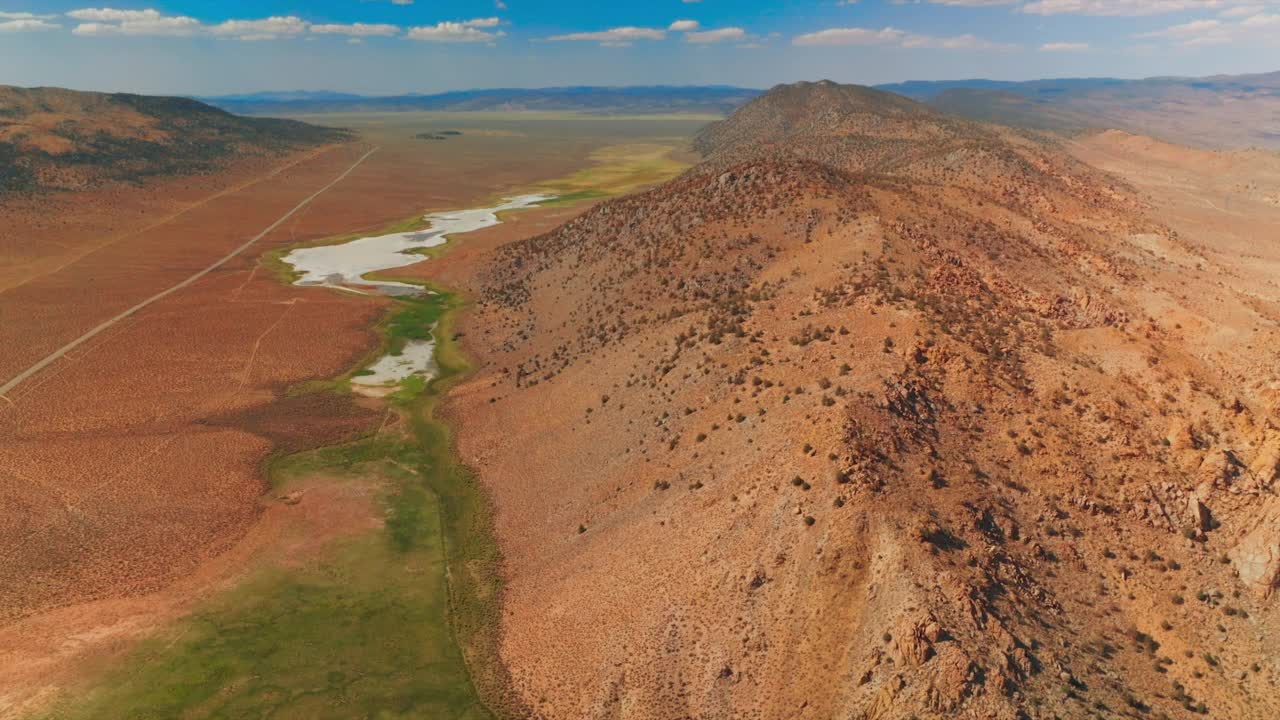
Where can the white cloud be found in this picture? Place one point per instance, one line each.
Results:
(110, 21)
(718, 35)
(114, 21)
(1065, 47)
(113, 15)
(1259, 28)
(150, 22)
(894, 36)
(1260, 21)
(850, 36)
(30, 24)
(1196, 32)
(1195, 27)
(957, 42)
(265, 29)
(356, 30)
(683, 25)
(614, 37)
(1125, 8)
(1241, 11)
(466, 31)
(24, 16)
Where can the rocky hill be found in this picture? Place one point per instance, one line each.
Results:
(62, 139)
(879, 413)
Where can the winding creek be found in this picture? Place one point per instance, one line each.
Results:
(347, 265)
(374, 622)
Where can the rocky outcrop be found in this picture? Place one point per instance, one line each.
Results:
(1257, 555)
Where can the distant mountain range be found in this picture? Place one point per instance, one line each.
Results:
(1217, 111)
(715, 99)
(926, 89)
(289, 96)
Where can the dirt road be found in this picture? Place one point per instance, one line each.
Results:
(60, 352)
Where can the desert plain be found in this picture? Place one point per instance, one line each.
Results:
(137, 464)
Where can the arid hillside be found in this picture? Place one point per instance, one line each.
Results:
(879, 413)
(62, 139)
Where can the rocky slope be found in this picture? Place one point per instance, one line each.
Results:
(878, 413)
(52, 138)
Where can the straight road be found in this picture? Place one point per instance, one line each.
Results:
(59, 353)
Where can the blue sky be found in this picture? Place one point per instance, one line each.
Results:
(393, 46)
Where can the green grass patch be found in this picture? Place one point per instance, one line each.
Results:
(346, 459)
(573, 197)
(409, 390)
(379, 628)
(617, 170)
(364, 634)
(413, 319)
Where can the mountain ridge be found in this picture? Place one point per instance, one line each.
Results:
(611, 99)
(1212, 111)
(52, 138)
(878, 423)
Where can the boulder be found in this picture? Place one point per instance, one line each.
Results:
(915, 640)
(1257, 555)
(1266, 464)
(1199, 514)
(953, 679)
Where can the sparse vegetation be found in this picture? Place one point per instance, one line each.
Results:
(158, 136)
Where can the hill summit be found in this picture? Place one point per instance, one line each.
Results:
(807, 118)
(873, 415)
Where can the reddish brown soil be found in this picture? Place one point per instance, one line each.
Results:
(78, 280)
(303, 422)
(135, 464)
(46, 653)
(122, 454)
(895, 416)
